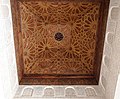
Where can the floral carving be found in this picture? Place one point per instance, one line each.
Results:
(74, 53)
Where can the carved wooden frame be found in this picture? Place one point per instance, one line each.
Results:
(60, 80)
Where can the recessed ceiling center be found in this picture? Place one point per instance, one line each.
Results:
(59, 36)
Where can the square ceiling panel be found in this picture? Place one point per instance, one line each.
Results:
(59, 41)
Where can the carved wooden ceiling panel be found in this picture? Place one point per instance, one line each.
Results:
(59, 37)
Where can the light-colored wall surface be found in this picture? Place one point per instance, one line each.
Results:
(8, 71)
(117, 93)
(111, 59)
(59, 92)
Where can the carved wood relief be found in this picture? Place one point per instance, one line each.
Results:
(59, 38)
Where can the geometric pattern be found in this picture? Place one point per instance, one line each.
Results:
(74, 54)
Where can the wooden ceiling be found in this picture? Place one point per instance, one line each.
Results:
(59, 41)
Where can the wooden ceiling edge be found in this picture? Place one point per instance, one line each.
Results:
(16, 32)
(102, 29)
(59, 81)
(69, 0)
(60, 76)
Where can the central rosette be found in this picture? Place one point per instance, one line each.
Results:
(60, 35)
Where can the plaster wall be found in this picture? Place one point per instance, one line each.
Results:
(8, 71)
(110, 68)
